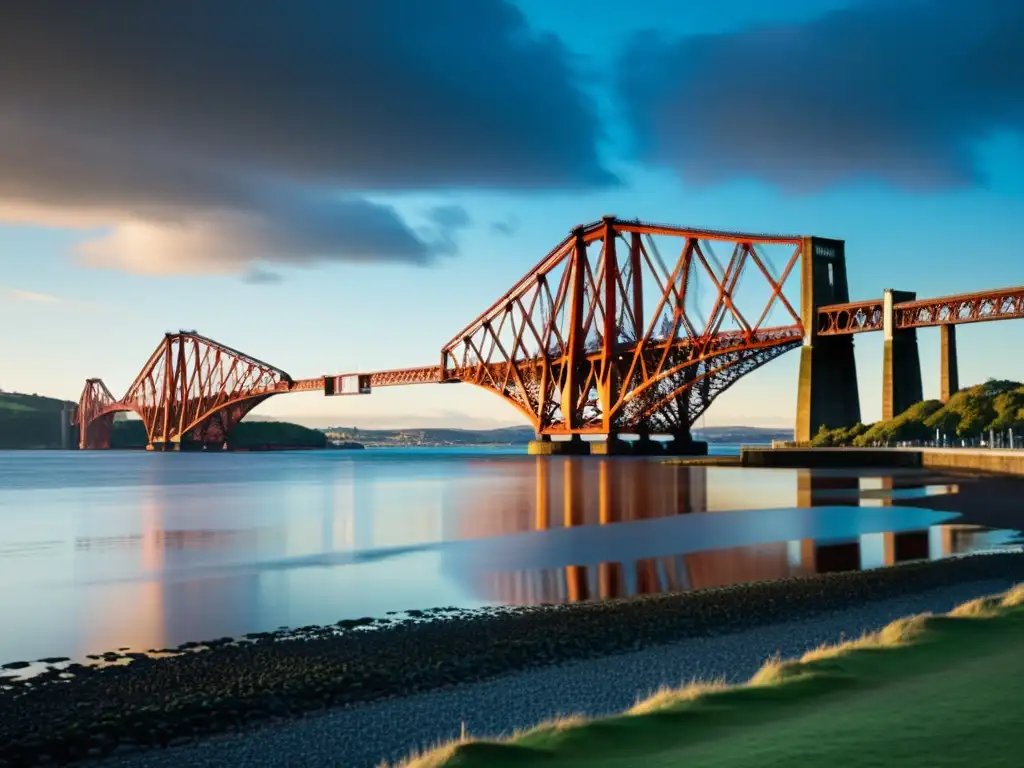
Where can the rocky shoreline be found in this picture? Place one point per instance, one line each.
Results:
(76, 712)
(385, 733)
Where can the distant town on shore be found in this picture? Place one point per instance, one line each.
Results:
(33, 422)
(436, 437)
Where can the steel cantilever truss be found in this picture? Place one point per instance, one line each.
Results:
(95, 414)
(191, 388)
(603, 336)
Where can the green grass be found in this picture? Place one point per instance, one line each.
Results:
(16, 401)
(925, 691)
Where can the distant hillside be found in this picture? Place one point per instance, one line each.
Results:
(247, 436)
(33, 422)
(742, 434)
(382, 438)
(15, 401)
(30, 421)
(257, 435)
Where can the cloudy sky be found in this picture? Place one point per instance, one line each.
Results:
(339, 186)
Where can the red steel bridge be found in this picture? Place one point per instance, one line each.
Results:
(604, 336)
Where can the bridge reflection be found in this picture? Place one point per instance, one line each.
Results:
(573, 493)
(133, 601)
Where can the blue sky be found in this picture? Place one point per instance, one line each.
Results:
(750, 116)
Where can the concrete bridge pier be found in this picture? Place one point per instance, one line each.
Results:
(901, 363)
(645, 446)
(949, 371)
(827, 393)
(65, 427)
(680, 445)
(172, 446)
(613, 445)
(545, 446)
(685, 445)
(161, 446)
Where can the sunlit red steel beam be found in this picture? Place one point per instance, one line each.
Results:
(1002, 304)
(315, 384)
(853, 317)
(863, 316)
(430, 374)
(593, 231)
(647, 228)
(434, 374)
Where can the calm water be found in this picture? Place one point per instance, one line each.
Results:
(104, 550)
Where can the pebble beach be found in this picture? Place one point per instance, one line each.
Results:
(363, 737)
(359, 693)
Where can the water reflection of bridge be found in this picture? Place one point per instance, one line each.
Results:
(571, 492)
(128, 599)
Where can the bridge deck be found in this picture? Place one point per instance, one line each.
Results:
(957, 309)
(433, 374)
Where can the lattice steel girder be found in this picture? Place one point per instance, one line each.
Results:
(430, 374)
(95, 398)
(1002, 304)
(95, 415)
(602, 335)
(189, 385)
(854, 317)
(305, 385)
(863, 316)
(398, 377)
(190, 377)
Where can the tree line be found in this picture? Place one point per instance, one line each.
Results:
(971, 415)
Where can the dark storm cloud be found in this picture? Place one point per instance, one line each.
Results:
(182, 116)
(893, 89)
(446, 221)
(449, 218)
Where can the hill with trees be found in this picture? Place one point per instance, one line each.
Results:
(263, 435)
(247, 436)
(970, 416)
(30, 421)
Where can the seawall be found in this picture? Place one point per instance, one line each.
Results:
(967, 459)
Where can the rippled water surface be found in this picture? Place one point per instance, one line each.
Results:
(103, 550)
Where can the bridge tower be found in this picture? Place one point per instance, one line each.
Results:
(827, 391)
(901, 363)
(949, 373)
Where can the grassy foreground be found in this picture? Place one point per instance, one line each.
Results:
(925, 691)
